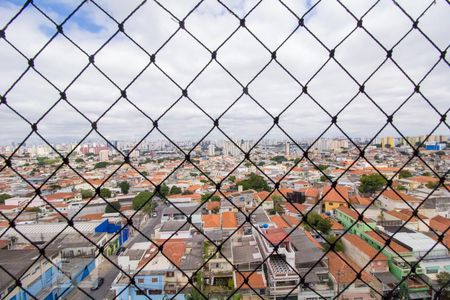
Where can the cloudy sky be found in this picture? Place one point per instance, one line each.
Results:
(180, 58)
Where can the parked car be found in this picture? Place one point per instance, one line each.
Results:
(98, 284)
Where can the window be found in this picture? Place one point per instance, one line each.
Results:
(154, 292)
(170, 274)
(140, 280)
(140, 292)
(432, 270)
(154, 279)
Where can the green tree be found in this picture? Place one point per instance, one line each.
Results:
(105, 193)
(316, 221)
(323, 178)
(34, 209)
(164, 191)
(324, 225)
(255, 182)
(232, 178)
(3, 197)
(432, 185)
(404, 174)
(175, 190)
(322, 167)
(79, 160)
(332, 239)
(279, 159)
(124, 187)
(205, 197)
(85, 194)
(144, 201)
(145, 173)
(371, 183)
(277, 203)
(112, 207)
(443, 279)
(101, 165)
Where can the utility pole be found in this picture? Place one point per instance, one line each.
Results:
(338, 284)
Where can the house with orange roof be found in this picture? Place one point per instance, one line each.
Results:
(440, 224)
(396, 200)
(229, 220)
(407, 218)
(342, 269)
(358, 200)
(250, 282)
(279, 222)
(296, 209)
(291, 220)
(159, 271)
(211, 222)
(333, 198)
(311, 194)
(266, 197)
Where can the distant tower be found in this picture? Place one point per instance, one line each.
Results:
(287, 149)
(211, 150)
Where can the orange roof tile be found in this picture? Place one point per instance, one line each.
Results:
(276, 235)
(173, 250)
(211, 221)
(424, 179)
(340, 269)
(390, 194)
(279, 222)
(296, 207)
(439, 223)
(229, 220)
(56, 196)
(291, 220)
(211, 205)
(255, 280)
(310, 192)
(332, 195)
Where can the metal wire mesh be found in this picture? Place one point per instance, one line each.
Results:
(192, 286)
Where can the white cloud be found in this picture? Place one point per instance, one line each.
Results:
(182, 58)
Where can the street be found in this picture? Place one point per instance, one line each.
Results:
(106, 270)
(148, 229)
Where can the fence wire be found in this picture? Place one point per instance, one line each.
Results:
(246, 155)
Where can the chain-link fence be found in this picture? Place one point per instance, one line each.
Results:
(336, 242)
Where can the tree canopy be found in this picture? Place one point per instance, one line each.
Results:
(331, 239)
(279, 158)
(404, 174)
(124, 187)
(85, 194)
(316, 221)
(144, 201)
(3, 197)
(205, 197)
(255, 182)
(443, 279)
(105, 193)
(112, 207)
(100, 165)
(174, 190)
(371, 183)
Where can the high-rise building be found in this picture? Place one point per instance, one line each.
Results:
(391, 142)
(287, 149)
(211, 150)
(103, 155)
